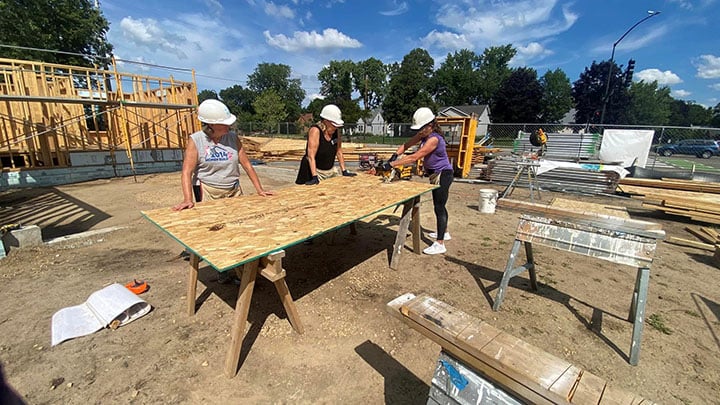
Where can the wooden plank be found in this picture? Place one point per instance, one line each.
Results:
(673, 184)
(581, 206)
(691, 243)
(701, 235)
(518, 367)
(712, 233)
(645, 228)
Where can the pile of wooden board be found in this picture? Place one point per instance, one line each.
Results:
(697, 200)
(274, 149)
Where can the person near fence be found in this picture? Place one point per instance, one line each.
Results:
(324, 144)
(211, 162)
(436, 164)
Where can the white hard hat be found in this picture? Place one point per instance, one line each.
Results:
(331, 112)
(212, 111)
(422, 117)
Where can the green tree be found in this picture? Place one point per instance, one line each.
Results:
(456, 81)
(269, 109)
(336, 84)
(589, 89)
(273, 76)
(493, 71)
(518, 99)
(556, 98)
(687, 113)
(240, 102)
(72, 26)
(207, 95)
(649, 105)
(409, 87)
(715, 122)
(336, 81)
(370, 80)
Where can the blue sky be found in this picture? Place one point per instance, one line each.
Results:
(224, 41)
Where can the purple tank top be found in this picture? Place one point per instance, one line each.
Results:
(437, 160)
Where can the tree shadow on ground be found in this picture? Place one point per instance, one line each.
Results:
(483, 275)
(308, 267)
(401, 385)
(56, 213)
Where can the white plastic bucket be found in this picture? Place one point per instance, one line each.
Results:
(488, 200)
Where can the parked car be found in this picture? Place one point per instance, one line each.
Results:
(704, 148)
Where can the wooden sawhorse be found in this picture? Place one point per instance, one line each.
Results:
(269, 267)
(618, 241)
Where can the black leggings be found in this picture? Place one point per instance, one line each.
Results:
(440, 197)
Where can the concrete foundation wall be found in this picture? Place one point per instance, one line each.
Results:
(96, 165)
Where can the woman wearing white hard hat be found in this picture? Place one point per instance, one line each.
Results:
(210, 168)
(436, 164)
(324, 144)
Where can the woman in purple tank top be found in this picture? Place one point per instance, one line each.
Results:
(436, 164)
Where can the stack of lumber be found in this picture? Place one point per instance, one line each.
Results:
(697, 200)
(478, 153)
(294, 149)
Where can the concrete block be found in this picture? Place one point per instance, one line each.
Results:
(26, 236)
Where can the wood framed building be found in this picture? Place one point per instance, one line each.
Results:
(63, 124)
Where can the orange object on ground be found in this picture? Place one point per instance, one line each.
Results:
(138, 287)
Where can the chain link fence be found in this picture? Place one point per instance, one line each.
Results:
(505, 136)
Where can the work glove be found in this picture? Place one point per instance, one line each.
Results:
(387, 167)
(393, 157)
(314, 180)
(348, 173)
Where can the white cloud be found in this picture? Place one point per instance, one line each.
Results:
(330, 38)
(533, 49)
(446, 40)
(715, 86)
(708, 67)
(397, 9)
(215, 6)
(680, 93)
(275, 10)
(687, 5)
(504, 22)
(665, 78)
(631, 43)
(147, 32)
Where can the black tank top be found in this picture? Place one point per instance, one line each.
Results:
(325, 155)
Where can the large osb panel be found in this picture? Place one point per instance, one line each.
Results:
(229, 232)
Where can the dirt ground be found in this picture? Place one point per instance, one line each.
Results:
(352, 350)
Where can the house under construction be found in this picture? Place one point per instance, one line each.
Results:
(63, 124)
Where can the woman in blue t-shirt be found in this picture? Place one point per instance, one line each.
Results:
(436, 164)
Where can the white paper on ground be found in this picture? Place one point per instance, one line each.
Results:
(114, 302)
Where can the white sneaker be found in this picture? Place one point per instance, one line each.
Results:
(433, 235)
(435, 249)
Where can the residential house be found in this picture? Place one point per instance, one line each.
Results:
(375, 125)
(481, 111)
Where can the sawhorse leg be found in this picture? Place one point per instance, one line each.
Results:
(242, 308)
(511, 272)
(411, 213)
(192, 283)
(269, 267)
(637, 312)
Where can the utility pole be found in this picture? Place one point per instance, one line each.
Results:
(606, 96)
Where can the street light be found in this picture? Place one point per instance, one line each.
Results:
(651, 14)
